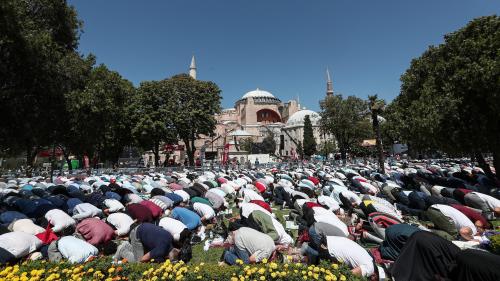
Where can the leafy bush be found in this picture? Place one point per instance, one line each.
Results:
(103, 269)
(495, 244)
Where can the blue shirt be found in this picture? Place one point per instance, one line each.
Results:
(189, 218)
(10, 216)
(174, 197)
(156, 240)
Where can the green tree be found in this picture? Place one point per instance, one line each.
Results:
(196, 104)
(450, 99)
(376, 107)
(268, 144)
(346, 120)
(35, 38)
(247, 144)
(153, 113)
(327, 147)
(309, 142)
(100, 114)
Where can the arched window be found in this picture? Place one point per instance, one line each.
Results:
(268, 116)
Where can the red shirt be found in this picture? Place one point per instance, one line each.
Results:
(95, 231)
(312, 204)
(260, 186)
(155, 209)
(314, 180)
(471, 214)
(140, 212)
(262, 204)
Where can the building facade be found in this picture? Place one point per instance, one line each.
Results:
(255, 115)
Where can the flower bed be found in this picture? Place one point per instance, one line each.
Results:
(102, 269)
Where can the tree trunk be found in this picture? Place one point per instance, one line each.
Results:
(380, 149)
(66, 157)
(156, 152)
(496, 163)
(30, 159)
(343, 156)
(52, 162)
(485, 166)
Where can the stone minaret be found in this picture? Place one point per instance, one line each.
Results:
(329, 84)
(192, 68)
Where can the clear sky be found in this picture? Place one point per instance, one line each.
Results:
(282, 46)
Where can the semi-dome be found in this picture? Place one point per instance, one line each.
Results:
(297, 119)
(257, 94)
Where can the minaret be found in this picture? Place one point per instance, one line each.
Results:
(192, 68)
(329, 84)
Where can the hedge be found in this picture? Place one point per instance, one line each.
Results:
(103, 269)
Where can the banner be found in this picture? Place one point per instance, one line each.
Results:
(225, 156)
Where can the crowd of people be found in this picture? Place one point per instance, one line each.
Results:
(418, 221)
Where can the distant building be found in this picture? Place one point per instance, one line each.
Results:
(254, 115)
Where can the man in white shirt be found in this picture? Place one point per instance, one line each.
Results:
(350, 253)
(178, 229)
(185, 196)
(60, 220)
(249, 195)
(121, 222)
(113, 206)
(71, 248)
(206, 212)
(484, 202)
(328, 202)
(326, 216)
(86, 210)
(449, 219)
(26, 226)
(19, 244)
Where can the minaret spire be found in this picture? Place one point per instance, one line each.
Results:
(192, 68)
(329, 84)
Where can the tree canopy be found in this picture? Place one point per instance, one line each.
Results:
(346, 120)
(37, 39)
(196, 103)
(450, 96)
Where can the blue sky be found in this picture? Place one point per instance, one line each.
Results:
(283, 46)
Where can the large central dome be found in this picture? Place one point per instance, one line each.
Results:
(257, 94)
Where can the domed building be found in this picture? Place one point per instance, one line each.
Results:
(255, 115)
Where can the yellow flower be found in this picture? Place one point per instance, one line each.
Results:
(335, 266)
(328, 278)
(264, 261)
(273, 275)
(262, 278)
(199, 277)
(262, 271)
(309, 273)
(234, 279)
(90, 270)
(315, 275)
(273, 265)
(111, 270)
(342, 278)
